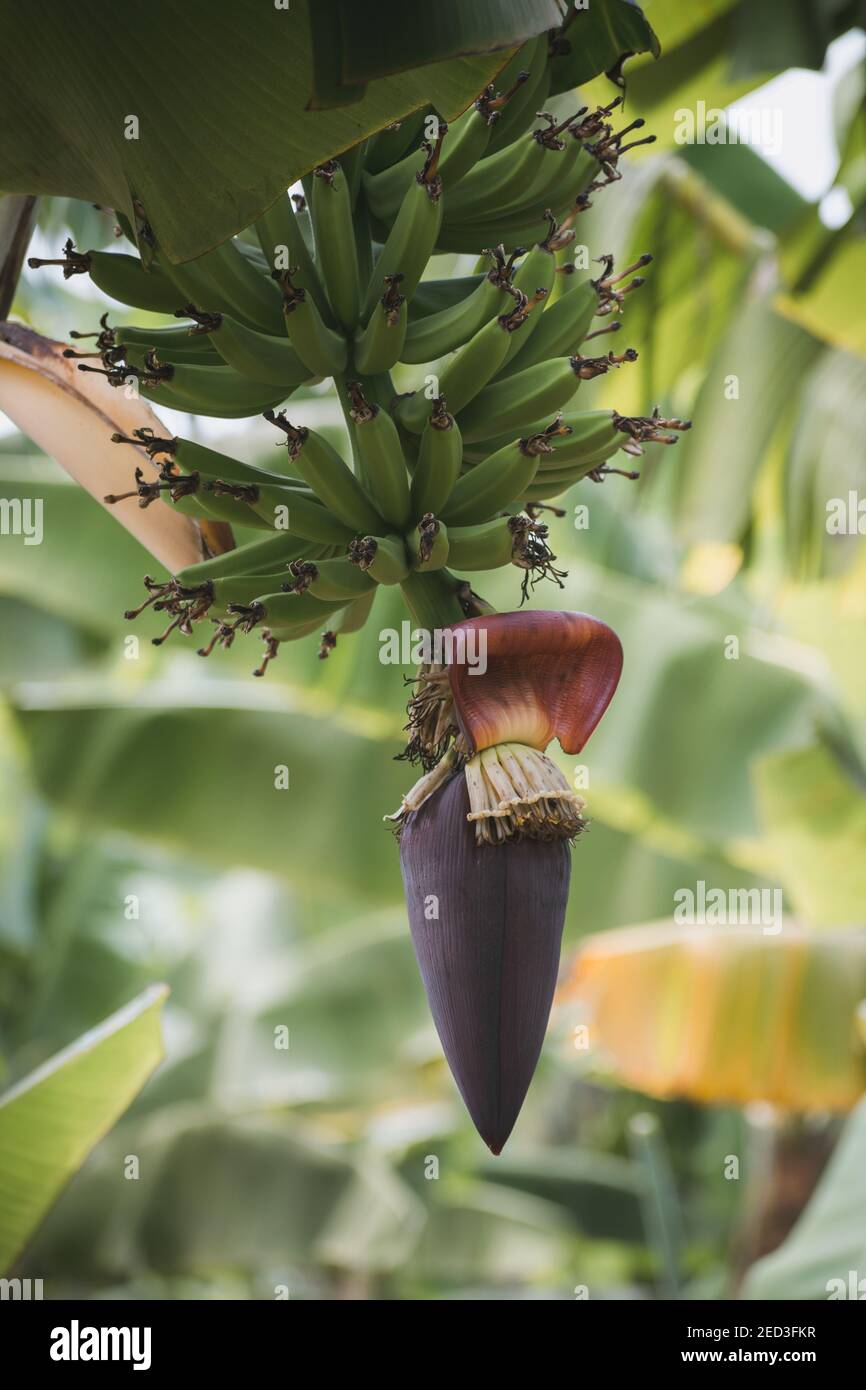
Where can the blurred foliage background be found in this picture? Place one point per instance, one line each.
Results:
(142, 838)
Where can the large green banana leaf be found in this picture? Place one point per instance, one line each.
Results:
(52, 1119)
(220, 92)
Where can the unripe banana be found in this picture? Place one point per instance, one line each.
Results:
(217, 391)
(350, 619)
(432, 296)
(557, 332)
(469, 370)
(319, 347)
(385, 190)
(388, 146)
(436, 334)
(328, 579)
(384, 472)
(520, 399)
(182, 344)
(380, 344)
(428, 544)
(581, 434)
(261, 356)
(534, 278)
(300, 515)
(198, 458)
(532, 59)
(280, 227)
(468, 138)
(485, 546)
(333, 482)
(335, 242)
(497, 482)
(495, 181)
(224, 281)
(120, 276)
(258, 557)
(384, 558)
(282, 612)
(439, 460)
(410, 242)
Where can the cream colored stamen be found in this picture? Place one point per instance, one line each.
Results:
(516, 791)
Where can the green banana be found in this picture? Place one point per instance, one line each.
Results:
(486, 546)
(384, 191)
(218, 391)
(436, 334)
(189, 494)
(198, 458)
(469, 371)
(299, 514)
(333, 482)
(258, 598)
(568, 170)
(466, 142)
(531, 59)
(410, 242)
(518, 231)
(502, 180)
(280, 227)
(353, 618)
(350, 619)
(258, 355)
(502, 478)
(329, 579)
(383, 558)
(335, 242)
(428, 544)
(511, 404)
(388, 146)
(323, 350)
(556, 332)
(581, 435)
(223, 486)
(534, 278)
(439, 458)
(380, 344)
(118, 275)
(258, 557)
(470, 135)
(383, 463)
(224, 281)
(553, 483)
(432, 296)
(181, 344)
(285, 613)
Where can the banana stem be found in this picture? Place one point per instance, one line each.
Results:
(432, 600)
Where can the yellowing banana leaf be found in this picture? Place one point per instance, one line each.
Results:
(52, 1119)
(833, 306)
(727, 1014)
(218, 90)
(72, 415)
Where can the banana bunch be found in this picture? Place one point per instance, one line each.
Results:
(341, 283)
